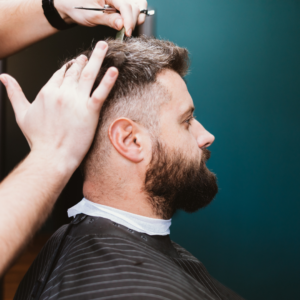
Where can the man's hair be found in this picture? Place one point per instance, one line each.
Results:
(136, 94)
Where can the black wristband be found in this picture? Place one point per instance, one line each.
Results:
(53, 16)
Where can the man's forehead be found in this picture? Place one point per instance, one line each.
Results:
(181, 100)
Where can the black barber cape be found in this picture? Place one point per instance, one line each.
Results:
(95, 258)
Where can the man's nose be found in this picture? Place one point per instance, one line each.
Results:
(204, 138)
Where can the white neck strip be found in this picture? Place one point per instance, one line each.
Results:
(132, 221)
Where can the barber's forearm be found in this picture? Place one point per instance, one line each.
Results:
(59, 126)
(27, 197)
(22, 22)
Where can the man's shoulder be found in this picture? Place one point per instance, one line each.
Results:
(190, 263)
(183, 252)
(38, 267)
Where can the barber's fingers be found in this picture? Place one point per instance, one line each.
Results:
(126, 11)
(142, 17)
(16, 96)
(92, 68)
(73, 74)
(102, 91)
(135, 13)
(113, 20)
(57, 78)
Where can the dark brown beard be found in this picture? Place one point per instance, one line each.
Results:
(175, 182)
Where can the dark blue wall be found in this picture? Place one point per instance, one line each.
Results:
(245, 82)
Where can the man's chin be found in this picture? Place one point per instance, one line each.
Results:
(174, 182)
(200, 191)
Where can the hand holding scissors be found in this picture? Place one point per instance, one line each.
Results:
(129, 13)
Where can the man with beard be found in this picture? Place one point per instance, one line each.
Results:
(147, 161)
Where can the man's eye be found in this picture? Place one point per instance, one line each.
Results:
(189, 120)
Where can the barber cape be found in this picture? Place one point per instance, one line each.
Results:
(97, 258)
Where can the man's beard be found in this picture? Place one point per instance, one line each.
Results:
(175, 182)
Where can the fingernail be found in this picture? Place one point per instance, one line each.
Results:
(129, 32)
(4, 80)
(102, 45)
(82, 57)
(112, 72)
(119, 23)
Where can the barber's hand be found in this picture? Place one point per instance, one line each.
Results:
(61, 121)
(129, 9)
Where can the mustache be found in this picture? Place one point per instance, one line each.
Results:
(205, 155)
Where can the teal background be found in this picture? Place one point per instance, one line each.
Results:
(244, 80)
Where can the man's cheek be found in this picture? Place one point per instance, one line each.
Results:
(196, 152)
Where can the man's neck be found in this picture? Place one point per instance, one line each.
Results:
(128, 198)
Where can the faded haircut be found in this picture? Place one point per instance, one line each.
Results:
(136, 94)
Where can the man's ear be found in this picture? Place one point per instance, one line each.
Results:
(126, 136)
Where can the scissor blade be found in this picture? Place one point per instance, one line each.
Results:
(120, 34)
(87, 8)
(109, 9)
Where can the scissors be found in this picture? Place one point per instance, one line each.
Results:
(108, 9)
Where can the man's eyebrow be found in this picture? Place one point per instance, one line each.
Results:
(187, 113)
